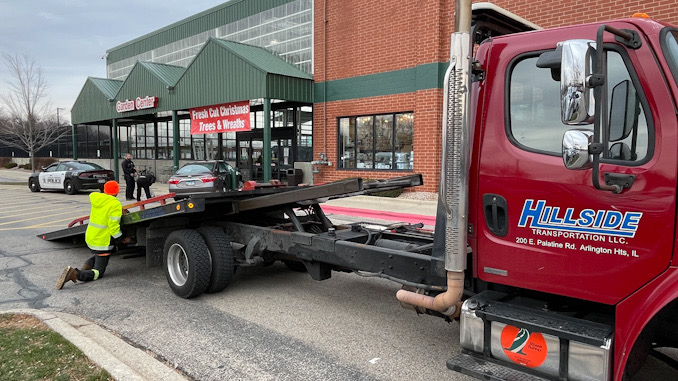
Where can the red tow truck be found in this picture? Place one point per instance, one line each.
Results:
(556, 225)
(563, 141)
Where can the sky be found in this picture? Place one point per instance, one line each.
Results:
(68, 39)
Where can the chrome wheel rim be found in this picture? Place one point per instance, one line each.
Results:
(177, 264)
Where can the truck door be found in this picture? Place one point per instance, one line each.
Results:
(544, 227)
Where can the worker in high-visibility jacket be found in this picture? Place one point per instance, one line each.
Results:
(102, 231)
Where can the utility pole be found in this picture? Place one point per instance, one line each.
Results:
(58, 126)
(59, 108)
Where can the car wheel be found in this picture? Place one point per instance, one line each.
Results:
(221, 253)
(69, 187)
(187, 264)
(33, 185)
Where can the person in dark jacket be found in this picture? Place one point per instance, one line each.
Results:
(144, 181)
(128, 171)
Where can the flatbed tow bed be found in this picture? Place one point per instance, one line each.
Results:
(202, 239)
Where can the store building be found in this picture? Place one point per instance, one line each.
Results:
(354, 87)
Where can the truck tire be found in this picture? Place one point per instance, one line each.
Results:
(221, 253)
(33, 185)
(69, 188)
(187, 263)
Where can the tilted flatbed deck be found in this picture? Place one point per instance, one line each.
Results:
(238, 201)
(269, 223)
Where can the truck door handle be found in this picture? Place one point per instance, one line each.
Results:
(496, 214)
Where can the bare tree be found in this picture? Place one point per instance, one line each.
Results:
(27, 121)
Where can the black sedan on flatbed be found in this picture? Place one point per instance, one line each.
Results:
(70, 176)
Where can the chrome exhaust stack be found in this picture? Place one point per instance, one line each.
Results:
(454, 176)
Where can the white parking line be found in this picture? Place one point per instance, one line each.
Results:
(39, 217)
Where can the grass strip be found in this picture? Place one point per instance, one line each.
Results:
(29, 350)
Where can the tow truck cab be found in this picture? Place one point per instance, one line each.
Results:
(572, 202)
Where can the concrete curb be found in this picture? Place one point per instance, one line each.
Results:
(123, 361)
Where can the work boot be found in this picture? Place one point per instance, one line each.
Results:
(69, 273)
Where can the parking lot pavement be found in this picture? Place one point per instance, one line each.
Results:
(15, 175)
(270, 323)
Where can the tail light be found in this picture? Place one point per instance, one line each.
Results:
(208, 179)
(173, 181)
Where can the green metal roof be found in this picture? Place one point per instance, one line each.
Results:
(168, 74)
(263, 59)
(221, 72)
(93, 101)
(108, 87)
(212, 18)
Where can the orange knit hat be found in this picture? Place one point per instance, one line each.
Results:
(111, 187)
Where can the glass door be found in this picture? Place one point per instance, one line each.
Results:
(257, 158)
(244, 162)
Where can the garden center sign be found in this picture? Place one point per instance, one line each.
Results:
(137, 104)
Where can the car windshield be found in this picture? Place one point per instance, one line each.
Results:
(191, 169)
(84, 166)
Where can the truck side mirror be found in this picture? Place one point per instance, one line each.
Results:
(577, 104)
(576, 149)
(624, 111)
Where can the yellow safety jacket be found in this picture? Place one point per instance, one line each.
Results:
(104, 221)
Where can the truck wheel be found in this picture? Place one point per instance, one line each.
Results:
(187, 264)
(221, 253)
(33, 185)
(69, 188)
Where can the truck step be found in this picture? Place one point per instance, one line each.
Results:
(589, 332)
(477, 367)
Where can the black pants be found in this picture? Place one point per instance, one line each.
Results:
(129, 190)
(96, 262)
(142, 183)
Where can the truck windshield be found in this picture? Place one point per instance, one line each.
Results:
(670, 46)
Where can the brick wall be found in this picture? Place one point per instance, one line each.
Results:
(549, 14)
(368, 37)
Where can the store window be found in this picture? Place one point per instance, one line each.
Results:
(185, 139)
(165, 140)
(123, 136)
(305, 133)
(141, 140)
(230, 150)
(94, 142)
(380, 142)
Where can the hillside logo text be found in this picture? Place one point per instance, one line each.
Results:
(538, 215)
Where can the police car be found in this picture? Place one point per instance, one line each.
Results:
(70, 176)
